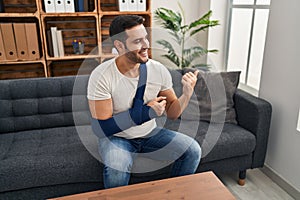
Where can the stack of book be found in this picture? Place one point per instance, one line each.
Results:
(132, 5)
(61, 6)
(19, 41)
(55, 42)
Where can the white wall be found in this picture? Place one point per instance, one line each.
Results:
(191, 7)
(217, 35)
(280, 85)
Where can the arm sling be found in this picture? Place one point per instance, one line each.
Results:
(138, 114)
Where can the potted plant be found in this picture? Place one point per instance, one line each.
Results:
(174, 22)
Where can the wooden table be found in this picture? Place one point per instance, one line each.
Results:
(192, 187)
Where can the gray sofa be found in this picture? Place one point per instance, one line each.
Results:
(47, 148)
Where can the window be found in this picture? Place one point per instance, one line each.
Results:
(248, 21)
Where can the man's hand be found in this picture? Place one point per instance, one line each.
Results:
(158, 105)
(188, 83)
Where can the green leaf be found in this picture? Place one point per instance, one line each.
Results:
(202, 28)
(204, 22)
(172, 56)
(205, 17)
(166, 45)
(191, 54)
(213, 51)
(177, 37)
(168, 19)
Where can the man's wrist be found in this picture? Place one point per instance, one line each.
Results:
(187, 95)
(150, 112)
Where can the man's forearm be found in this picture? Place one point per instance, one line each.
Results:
(122, 121)
(178, 106)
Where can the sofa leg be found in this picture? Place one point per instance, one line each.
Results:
(242, 177)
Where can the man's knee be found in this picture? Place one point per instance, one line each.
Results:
(194, 150)
(118, 160)
(191, 146)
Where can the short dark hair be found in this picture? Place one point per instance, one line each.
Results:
(121, 23)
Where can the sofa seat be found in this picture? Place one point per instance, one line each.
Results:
(232, 141)
(45, 157)
(57, 155)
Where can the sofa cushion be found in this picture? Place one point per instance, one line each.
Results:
(41, 102)
(176, 80)
(44, 158)
(214, 97)
(218, 141)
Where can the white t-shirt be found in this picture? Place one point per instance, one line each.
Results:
(106, 81)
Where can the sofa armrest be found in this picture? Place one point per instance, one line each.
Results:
(254, 114)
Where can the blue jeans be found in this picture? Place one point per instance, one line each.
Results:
(119, 153)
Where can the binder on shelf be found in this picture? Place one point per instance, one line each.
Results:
(86, 5)
(2, 50)
(69, 6)
(2, 8)
(59, 6)
(141, 5)
(60, 43)
(49, 43)
(80, 4)
(9, 41)
(21, 41)
(76, 5)
(132, 5)
(49, 6)
(123, 5)
(32, 41)
(54, 41)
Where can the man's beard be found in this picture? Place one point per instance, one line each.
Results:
(133, 56)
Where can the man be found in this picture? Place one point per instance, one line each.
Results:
(124, 123)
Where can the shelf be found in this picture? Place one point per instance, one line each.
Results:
(112, 6)
(8, 62)
(75, 14)
(26, 70)
(72, 57)
(90, 26)
(18, 27)
(18, 15)
(72, 67)
(125, 13)
(17, 6)
(82, 28)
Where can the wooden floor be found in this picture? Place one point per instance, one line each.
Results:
(258, 186)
